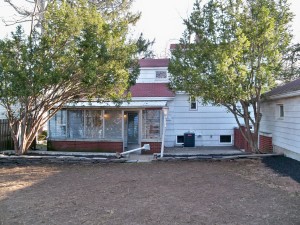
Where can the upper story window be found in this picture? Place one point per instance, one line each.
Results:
(160, 74)
(193, 103)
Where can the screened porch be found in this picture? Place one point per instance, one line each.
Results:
(105, 129)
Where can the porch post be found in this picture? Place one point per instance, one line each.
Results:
(165, 112)
(123, 127)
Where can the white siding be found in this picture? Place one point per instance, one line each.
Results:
(207, 122)
(148, 75)
(285, 131)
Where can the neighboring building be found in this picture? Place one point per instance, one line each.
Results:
(281, 119)
(91, 126)
(2, 112)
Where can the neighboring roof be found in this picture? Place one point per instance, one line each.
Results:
(154, 62)
(151, 90)
(132, 104)
(285, 89)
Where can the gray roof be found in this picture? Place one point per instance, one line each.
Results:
(132, 104)
(284, 89)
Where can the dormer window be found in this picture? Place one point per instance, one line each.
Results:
(161, 74)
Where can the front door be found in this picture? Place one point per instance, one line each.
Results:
(132, 128)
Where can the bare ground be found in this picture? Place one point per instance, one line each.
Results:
(205, 192)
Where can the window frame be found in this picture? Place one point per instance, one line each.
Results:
(105, 122)
(85, 122)
(161, 71)
(223, 142)
(178, 143)
(145, 135)
(84, 118)
(193, 100)
(281, 111)
(71, 127)
(63, 118)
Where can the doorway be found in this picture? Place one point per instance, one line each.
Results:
(131, 130)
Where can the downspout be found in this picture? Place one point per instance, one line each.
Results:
(165, 113)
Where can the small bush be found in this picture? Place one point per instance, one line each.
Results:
(42, 136)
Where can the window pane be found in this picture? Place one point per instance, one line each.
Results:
(180, 139)
(161, 74)
(113, 124)
(151, 124)
(225, 138)
(75, 124)
(57, 125)
(281, 111)
(93, 124)
(193, 103)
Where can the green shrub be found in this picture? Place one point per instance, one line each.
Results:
(42, 136)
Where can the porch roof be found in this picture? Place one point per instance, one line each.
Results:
(132, 104)
(151, 90)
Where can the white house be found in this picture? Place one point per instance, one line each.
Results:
(156, 116)
(281, 118)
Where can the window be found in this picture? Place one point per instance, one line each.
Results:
(57, 124)
(179, 139)
(113, 124)
(281, 111)
(151, 124)
(193, 103)
(225, 138)
(93, 124)
(86, 124)
(161, 74)
(75, 124)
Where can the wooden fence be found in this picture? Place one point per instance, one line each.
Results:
(6, 142)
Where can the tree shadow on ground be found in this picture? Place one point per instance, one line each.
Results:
(284, 166)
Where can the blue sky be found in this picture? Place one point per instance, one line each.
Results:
(161, 20)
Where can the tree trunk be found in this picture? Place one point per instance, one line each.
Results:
(251, 138)
(22, 144)
(23, 136)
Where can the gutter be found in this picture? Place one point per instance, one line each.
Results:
(284, 95)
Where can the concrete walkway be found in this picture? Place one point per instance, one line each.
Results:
(140, 158)
(208, 150)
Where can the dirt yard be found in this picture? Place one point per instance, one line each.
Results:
(203, 192)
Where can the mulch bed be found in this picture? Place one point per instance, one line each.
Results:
(244, 191)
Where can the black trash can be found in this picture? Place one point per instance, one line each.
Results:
(189, 140)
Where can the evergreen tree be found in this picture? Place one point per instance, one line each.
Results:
(230, 54)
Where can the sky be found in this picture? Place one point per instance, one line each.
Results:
(161, 20)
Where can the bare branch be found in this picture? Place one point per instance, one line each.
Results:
(18, 9)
